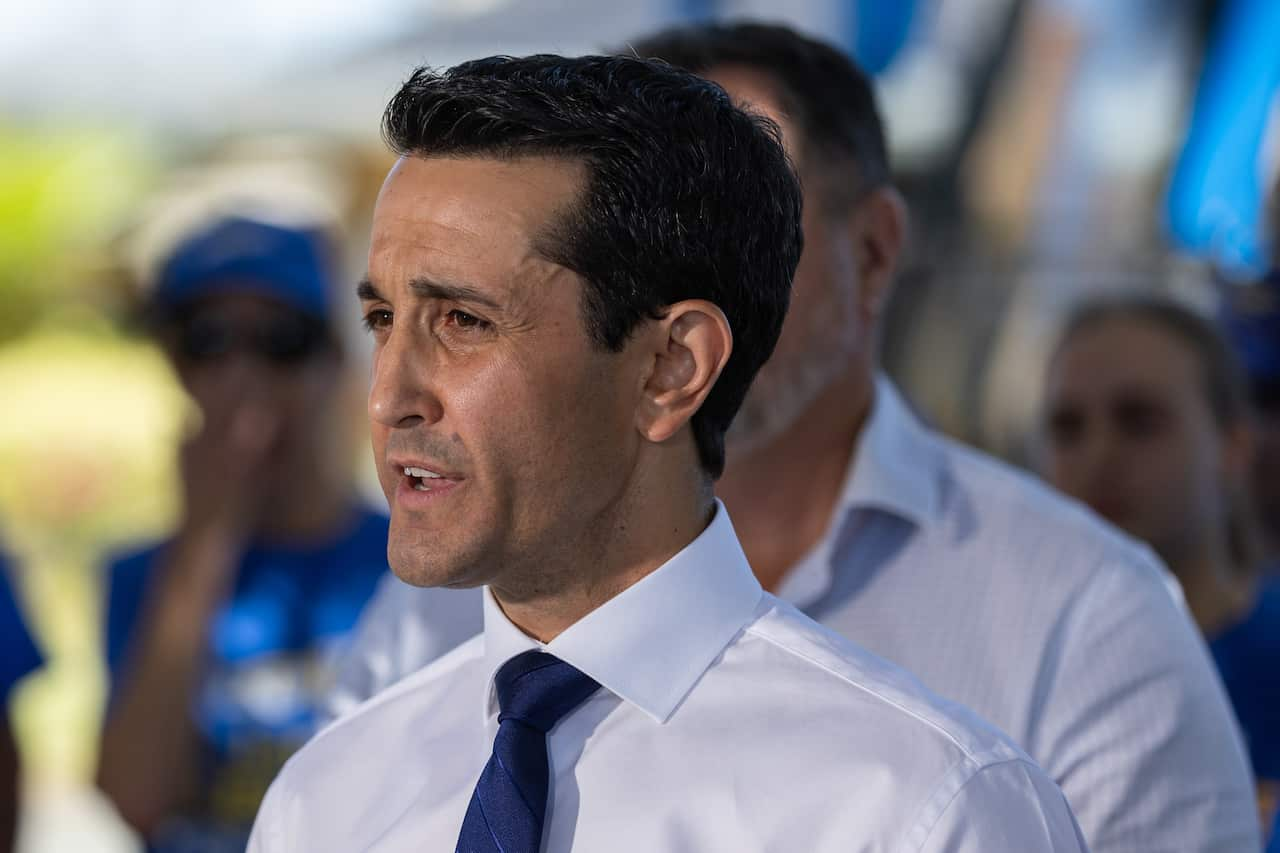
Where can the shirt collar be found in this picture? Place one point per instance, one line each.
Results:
(895, 469)
(652, 642)
(897, 462)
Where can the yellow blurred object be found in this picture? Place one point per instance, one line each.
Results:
(89, 420)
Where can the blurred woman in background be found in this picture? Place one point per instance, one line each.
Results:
(1147, 421)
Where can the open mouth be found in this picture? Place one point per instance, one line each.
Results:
(423, 480)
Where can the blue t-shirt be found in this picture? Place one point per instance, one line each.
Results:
(1248, 657)
(18, 654)
(269, 666)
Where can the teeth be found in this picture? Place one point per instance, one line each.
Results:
(421, 472)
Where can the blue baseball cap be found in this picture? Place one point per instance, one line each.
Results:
(245, 255)
(1251, 321)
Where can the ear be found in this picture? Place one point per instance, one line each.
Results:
(878, 232)
(691, 346)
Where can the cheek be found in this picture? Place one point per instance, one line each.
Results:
(564, 432)
(1067, 470)
(377, 445)
(512, 417)
(1208, 474)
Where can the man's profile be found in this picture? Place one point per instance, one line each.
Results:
(577, 266)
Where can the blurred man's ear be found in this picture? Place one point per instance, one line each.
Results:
(690, 347)
(878, 229)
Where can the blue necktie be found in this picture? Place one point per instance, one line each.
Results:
(535, 690)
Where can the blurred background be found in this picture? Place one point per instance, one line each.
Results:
(1048, 149)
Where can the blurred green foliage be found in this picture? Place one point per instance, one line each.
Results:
(64, 194)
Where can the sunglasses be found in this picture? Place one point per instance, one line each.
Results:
(282, 342)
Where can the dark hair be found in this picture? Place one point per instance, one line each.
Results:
(1223, 380)
(686, 196)
(821, 88)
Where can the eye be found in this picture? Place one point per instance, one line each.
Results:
(378, 318)
(1065, 426)
(463, 320)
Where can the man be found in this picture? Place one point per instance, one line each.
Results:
(997, 593)
(577, 266)
(217, 639)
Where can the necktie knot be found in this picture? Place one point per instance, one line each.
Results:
(538, 689)
(509, 804)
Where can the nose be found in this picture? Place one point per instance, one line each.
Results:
(1099, 460)
(400, 389)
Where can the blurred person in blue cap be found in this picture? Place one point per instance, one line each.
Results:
(1148, 421)
(19, 657)
(218, 639)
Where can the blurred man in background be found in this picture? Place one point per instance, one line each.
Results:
(18, 658)
(995, 591)
(217, 638)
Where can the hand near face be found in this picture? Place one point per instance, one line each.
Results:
(224, 465)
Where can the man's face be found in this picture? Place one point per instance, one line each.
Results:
(823, 330)
(517, 431)
(1129, 431)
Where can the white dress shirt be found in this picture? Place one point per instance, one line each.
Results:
(1002, 596)
(727, 721)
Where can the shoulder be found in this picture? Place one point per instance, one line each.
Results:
(420, 720)
(994, 509)
(850, 679)
(367, 727)
(430, 714)
(863, 717)
(1011, 531)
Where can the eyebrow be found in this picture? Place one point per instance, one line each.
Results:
(429, 289)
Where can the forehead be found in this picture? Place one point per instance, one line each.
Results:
(468, 211)
(1125, 353)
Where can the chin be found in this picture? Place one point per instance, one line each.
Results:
(416, 565)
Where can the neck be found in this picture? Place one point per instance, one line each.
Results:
(625, 542)
(1217, 593)
(782, 495)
